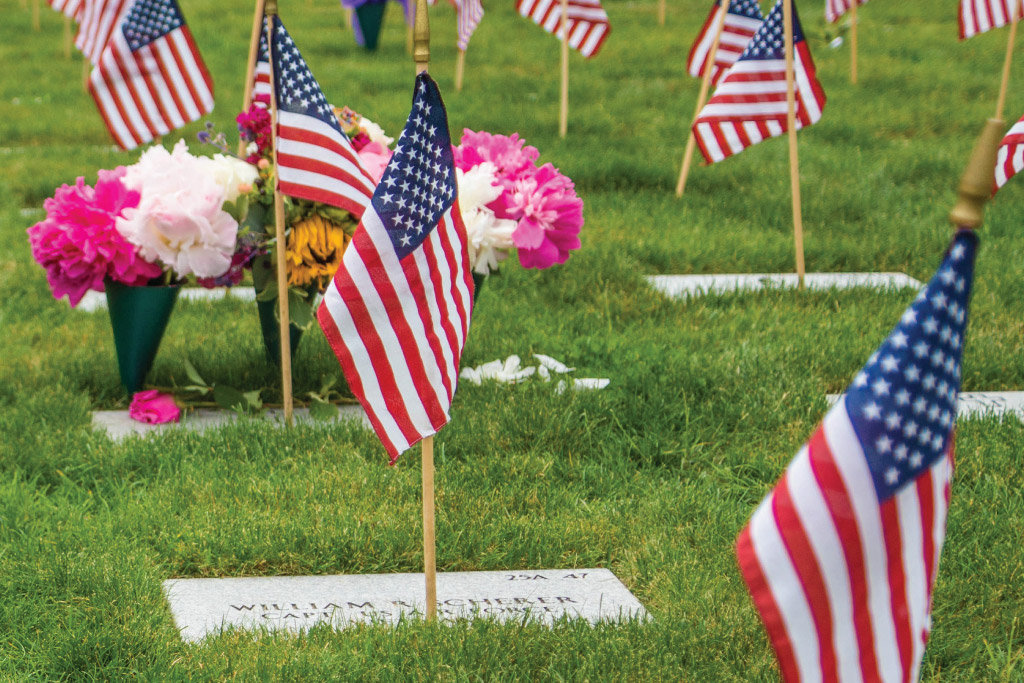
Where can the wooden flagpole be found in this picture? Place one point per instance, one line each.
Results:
(853, 41)
(421, 55)
(250, 68)
(282, 264)
(1001, 102)
(661, 12)
(563, 111)
(68, 40)
(460, 68)
(35, 15)
(709, 68)
(794, 164)
(86, 71)
(975, 187)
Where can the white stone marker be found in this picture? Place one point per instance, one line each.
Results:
(118, 425)
(676, 286)
(97, 301)
(294, 603)
(980, 403)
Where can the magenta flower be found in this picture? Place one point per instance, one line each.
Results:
(507, 153)
(78, 244)
(153, 407)
(549, 216)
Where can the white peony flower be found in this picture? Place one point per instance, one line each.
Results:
(490, 237)
(179, 220)
(231, 174)
(375, 132)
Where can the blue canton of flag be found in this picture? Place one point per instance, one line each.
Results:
(903, 403)
(418, 185)
(744, 8)
(297, 90)
(149, 20)
(770, 40)
(315, 159)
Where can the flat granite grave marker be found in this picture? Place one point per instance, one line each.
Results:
(202, 607)
(677, 286)
(118, 424)
(971, 404)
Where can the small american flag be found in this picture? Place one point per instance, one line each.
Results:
(834, 9)
(841, 557)
(1010, 159)
(470, 13)
(261, 74)
(69, 8)
(978, 16)
(98, 21)
(587, 21)
(150, 78)
(397, 312)
(750, 102)
(315, 159)
(742, 19)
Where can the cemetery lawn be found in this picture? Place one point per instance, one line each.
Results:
(652, 477)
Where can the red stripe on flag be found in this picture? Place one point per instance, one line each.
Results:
(840, 507)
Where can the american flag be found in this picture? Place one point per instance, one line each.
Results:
(587, 21)
(397, 312)
(470, 13)
(261, 74)
(315, 159)
(742, 19)
(978, 16)
(1010, 158)
(98, 22)
(750, 102)
(841, 557)
(834, 9)
(150, 78)
(69, 8)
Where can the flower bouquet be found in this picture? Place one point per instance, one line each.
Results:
(138, 234)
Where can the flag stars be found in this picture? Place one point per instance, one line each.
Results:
(893, 420)
(910, 429)
(916, 459)
(892, 476)
(900, 453)
(880, 387)
(890, 364)
(912, 373)
(899, 340)
(902, 397)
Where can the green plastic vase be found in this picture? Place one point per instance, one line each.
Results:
(370, 16)
(271, 330)
(138, 316)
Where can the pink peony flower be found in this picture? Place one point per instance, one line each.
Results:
(154, 408)
(507, 153)
(549, 216)
(78, 244)
(374, 157)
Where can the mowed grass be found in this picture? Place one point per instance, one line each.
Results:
(652, 477)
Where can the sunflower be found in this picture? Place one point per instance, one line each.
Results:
(314, 249)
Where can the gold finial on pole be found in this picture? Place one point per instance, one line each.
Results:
(976, 183)
(270, 7)
(421, 37)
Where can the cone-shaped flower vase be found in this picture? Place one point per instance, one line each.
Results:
(139, 317)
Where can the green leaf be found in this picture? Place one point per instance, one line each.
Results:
(321, 410)
(230, 398)
(193, 374)
(253, 398)
(268, 292)
(300, 311)
(326, 382)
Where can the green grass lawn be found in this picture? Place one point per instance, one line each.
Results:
(652, 477)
